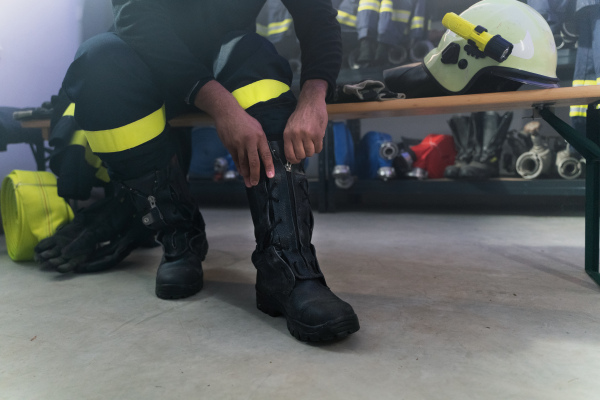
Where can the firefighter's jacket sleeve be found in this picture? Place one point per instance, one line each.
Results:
(320, 40)
(177, 53)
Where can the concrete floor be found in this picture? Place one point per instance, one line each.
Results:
(457, 306)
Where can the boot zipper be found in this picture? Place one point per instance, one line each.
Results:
(292, 191)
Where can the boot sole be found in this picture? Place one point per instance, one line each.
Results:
(171, 292)
(336, 329)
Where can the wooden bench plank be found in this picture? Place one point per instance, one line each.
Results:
(522, 99)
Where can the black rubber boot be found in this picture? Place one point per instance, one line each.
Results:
(462, 133)
(366, 52)
(490, 130)
(382, 54)
(167, 206)
(289, 281)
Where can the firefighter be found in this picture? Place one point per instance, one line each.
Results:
(165, 58)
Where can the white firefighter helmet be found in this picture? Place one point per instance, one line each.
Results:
(457, 66)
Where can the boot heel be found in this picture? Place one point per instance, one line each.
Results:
(264, 304)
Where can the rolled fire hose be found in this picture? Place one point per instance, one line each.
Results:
(535, 162)
(568, 167)
(559, 41)
(31, 211)
(569, 33)
(398, 55)
(420, 49)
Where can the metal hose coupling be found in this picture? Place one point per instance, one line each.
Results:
(537, 161)
(388, 150)
(419, 50)
(568, 166)
(398, 55)
(386, 173)
(224, 170)
(342, 176)
(221, 165)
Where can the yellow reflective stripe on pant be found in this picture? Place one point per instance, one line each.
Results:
(401, 16)
(387, 6)
(128, 136)
(70, 111)
(347, 19)
(31, 211)
(273, 28)
(259, 91)
(80, 139)
(372, 5)
(580, 110)
(417, 23)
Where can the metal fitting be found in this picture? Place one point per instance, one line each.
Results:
(568, 167)
(388, 150)
(386, 173)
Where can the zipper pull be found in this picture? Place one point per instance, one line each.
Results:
(154, 216)
(288, 166)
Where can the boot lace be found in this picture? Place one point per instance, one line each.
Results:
(269, 234)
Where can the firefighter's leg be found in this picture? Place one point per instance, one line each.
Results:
(584, 73)
(392, 28)
(367, 19)
(124, 117)
(289, 280)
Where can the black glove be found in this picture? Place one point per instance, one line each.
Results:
(99, 237)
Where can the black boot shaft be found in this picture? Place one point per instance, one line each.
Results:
(491, 129)
(165, 198)
(167, 206)
(289, 281)
(462, 132)
(282, 216)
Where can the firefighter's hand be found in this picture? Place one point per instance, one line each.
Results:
(241, 134)
(305, 130)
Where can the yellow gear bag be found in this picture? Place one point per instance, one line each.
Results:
(31, 211)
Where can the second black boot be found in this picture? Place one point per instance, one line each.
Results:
(289, 281)
(462, 133)
(167, 206)
(490, 130)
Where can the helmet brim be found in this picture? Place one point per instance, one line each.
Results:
(527, 78)
(415, 81)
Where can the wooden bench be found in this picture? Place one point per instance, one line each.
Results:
(540, 101)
